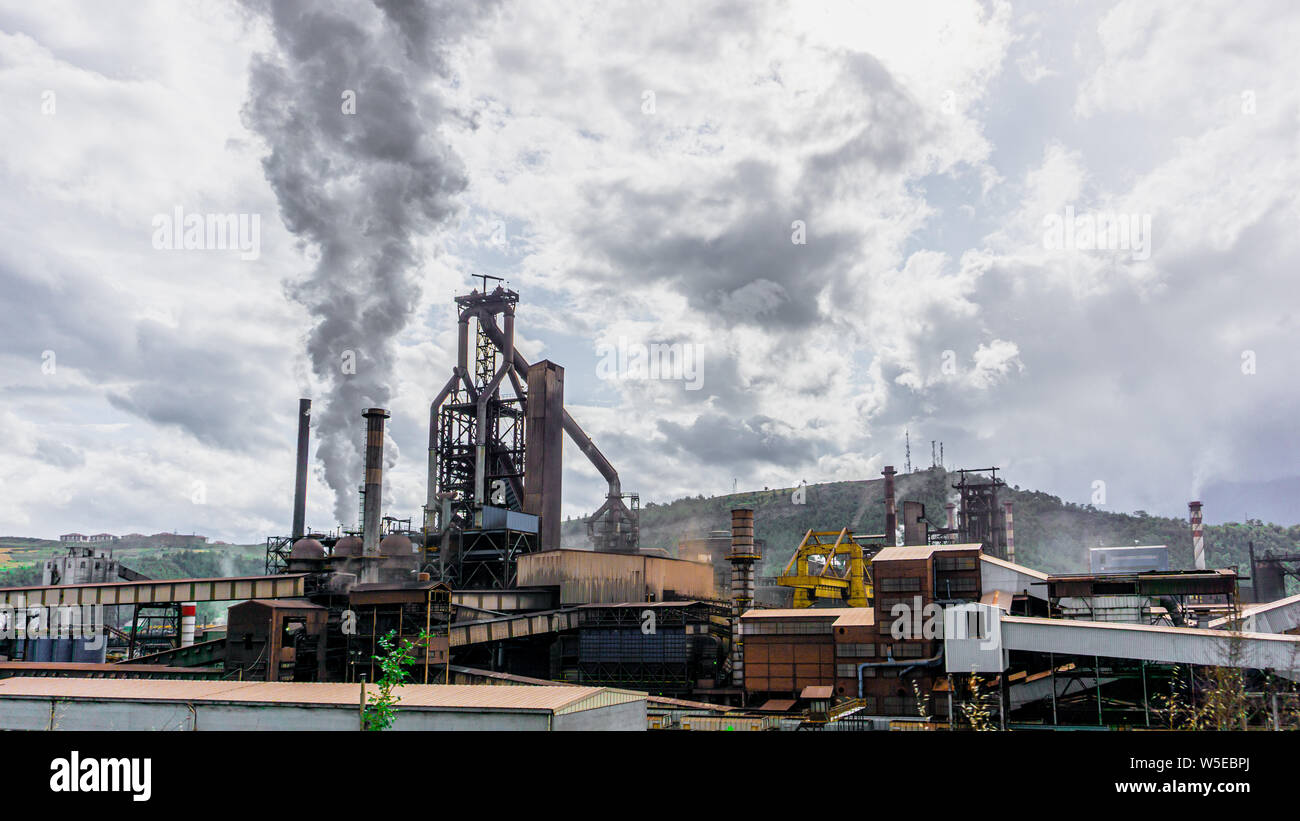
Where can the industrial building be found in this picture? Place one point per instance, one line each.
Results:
(99, 704)
(513, 629)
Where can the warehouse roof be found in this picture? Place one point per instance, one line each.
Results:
(799, 613)
(920, 551)
(1019, 568)
(857, 617)
(474, 697)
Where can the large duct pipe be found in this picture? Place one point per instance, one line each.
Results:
(891, 512)
(374, 488)
(742, 558)
(1198, 534)
(300, 481)
(1011, 533)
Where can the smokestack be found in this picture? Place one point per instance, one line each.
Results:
(187, 624)
(742, 558)
(374, 487)
(300, 482)
(1011, 533)
(951, 509)
(1198, 534)
(891, 513)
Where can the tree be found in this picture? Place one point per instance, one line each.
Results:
(381, 706)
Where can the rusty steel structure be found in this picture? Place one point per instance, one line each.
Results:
(980, 519)
(743, 556)
(497, 449)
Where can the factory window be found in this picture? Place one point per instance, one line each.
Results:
(885, 605)
(909, 650)
(855, 650)
(900, 584)
(850, 671)
(955, 563)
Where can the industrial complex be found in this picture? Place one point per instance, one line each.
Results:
(917, 627)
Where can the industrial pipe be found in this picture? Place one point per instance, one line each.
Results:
(909, 665)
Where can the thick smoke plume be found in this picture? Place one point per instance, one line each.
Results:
(347, 106)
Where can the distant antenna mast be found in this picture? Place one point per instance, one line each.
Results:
(941, 462)
(932, 453)
(908, 442)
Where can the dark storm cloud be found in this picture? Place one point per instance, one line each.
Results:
(718, 439)
(198, 381)
(357, 188)
(726, 242)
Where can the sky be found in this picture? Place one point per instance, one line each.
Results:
(1058, 239)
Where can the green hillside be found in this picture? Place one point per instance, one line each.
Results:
(1051, 535)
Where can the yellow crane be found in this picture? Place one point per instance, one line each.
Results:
(828, 564)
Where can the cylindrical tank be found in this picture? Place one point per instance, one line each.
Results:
(396, 544)
(347, 546)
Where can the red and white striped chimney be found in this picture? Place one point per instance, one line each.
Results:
(1011, 533)
(1198, 534)
(187, 623)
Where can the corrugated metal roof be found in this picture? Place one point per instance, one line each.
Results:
(998, 598)
(800, 613)
(282, 604)
(1019, 568)
(857, 617)
(920, 551)
(556, 699)
(817, 691)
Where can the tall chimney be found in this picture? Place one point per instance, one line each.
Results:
(891, 513)
(742, 558)
(1011, 533)
(951, 509)
(1198, 534)
(188, 620)
(300, 482)
(374, 488)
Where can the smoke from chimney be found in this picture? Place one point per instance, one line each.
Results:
(345, 105)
